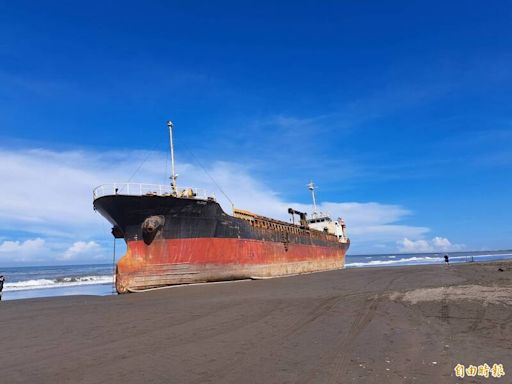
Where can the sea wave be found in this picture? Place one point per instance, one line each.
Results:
(409, 260)
(70, 281)
(418, 260)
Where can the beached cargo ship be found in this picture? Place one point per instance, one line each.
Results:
(182, 236)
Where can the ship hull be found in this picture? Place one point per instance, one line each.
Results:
(185, 261)
(181, 241)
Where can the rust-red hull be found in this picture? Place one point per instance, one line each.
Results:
(182, 261)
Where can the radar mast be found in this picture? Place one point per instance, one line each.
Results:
(311, 187)
(174, 176)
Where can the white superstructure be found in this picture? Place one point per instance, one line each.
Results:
(322, 221)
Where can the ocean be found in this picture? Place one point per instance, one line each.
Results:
(31, 282)
(399, 259)
(97, 279)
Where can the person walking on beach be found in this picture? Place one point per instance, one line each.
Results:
(446, 260)
(2, 279)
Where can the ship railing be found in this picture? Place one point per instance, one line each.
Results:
(140, 189)
(320, 215)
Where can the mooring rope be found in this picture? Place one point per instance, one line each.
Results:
(114, 269)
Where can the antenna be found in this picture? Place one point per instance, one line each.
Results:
(174, 176)
(311, 187)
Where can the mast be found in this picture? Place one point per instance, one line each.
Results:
(311, 187)
(174, 176)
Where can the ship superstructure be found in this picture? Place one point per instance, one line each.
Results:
(322, 221)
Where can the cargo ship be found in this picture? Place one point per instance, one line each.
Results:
(182, 236)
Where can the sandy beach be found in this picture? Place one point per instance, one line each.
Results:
(369, 325)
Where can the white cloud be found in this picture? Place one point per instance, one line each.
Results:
(82, 249)
(27, 246)
(22, 251)
(437, 244)
(49, 194)
(374, 222)
(39, 251)
(43, 251)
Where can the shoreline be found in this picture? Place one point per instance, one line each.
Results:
(31, 290)
(371, 325)
(100, 289)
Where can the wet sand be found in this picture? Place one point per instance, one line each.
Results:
(368, 325)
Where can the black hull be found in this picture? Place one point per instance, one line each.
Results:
(182, 218)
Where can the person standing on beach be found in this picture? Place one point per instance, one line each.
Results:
(2, 279)
(446, 260)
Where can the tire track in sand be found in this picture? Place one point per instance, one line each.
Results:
(363, 318)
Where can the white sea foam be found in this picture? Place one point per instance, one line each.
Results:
(57, 283)
(409, 260)
(416, 260)
(482, 257)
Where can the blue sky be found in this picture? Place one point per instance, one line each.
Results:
(401, 109)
